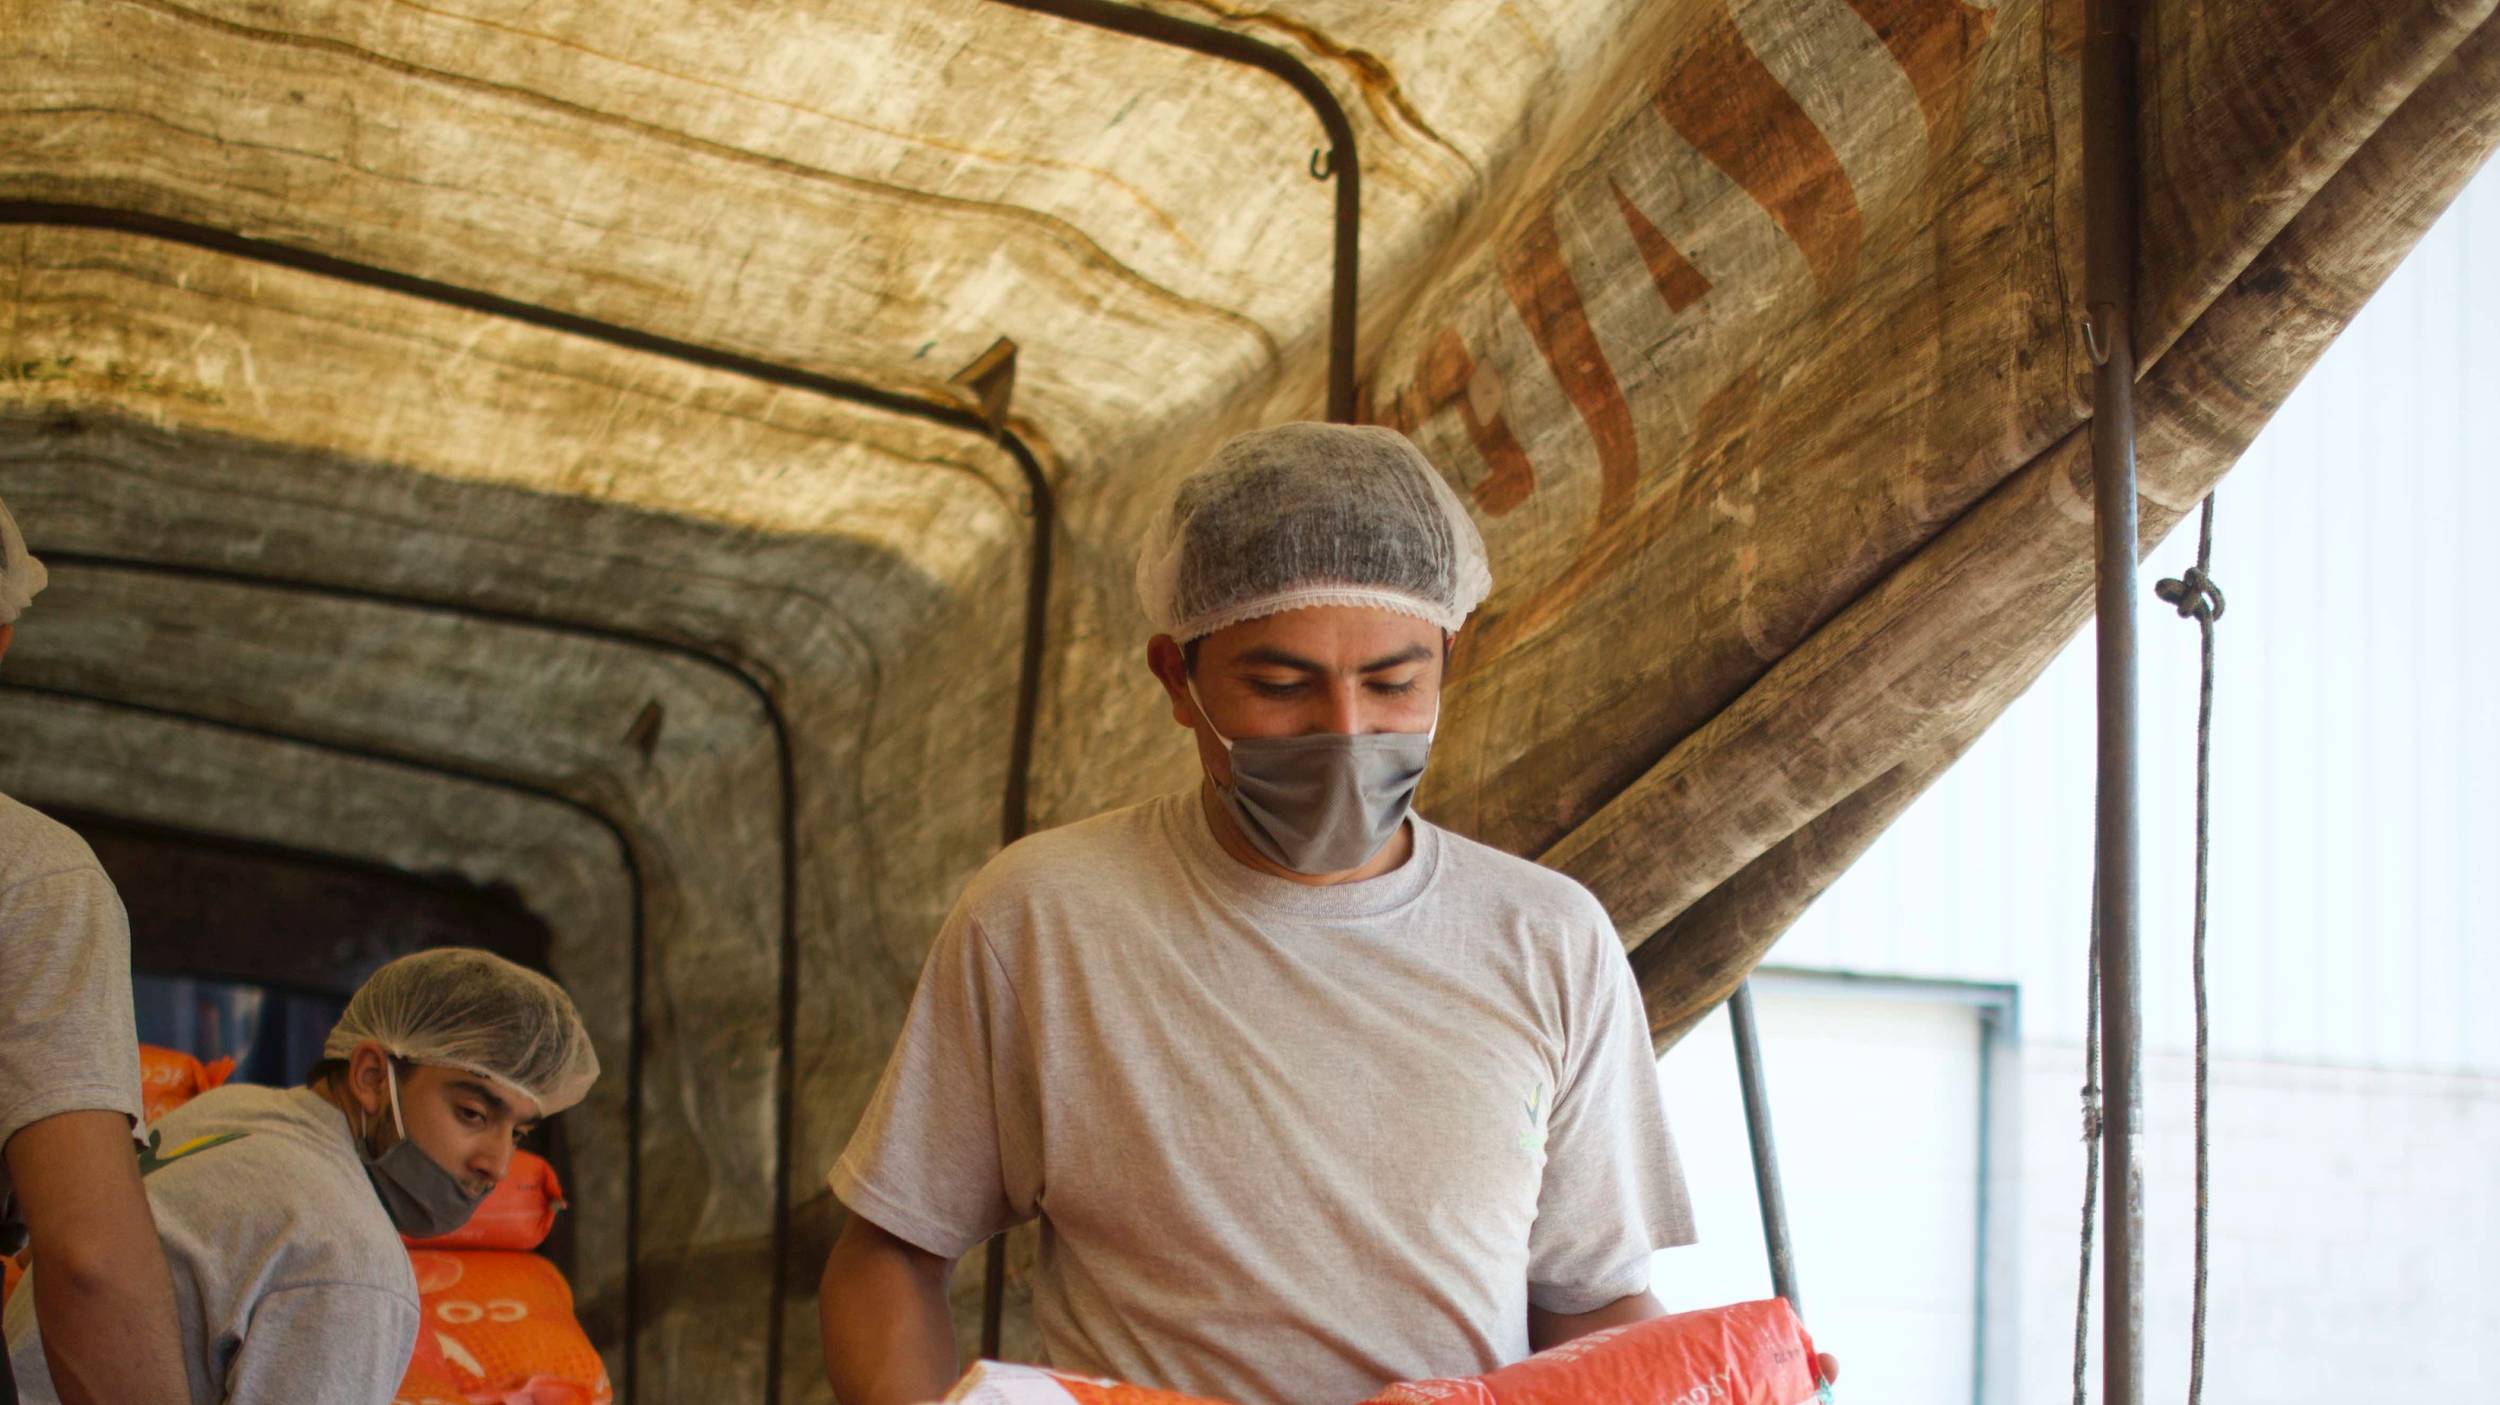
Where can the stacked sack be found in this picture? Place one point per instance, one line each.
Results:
(168, 1078)
(1744, 1354)
(496, 1324)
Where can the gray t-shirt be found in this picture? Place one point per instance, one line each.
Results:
(66, 1039)
(1287, 1143)
(290, 1285)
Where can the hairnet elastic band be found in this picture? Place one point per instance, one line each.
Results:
(1314, 597)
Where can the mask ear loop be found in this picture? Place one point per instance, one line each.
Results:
(390, 1072)
(1191, 683)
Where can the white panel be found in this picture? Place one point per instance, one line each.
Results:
(1875, 1110)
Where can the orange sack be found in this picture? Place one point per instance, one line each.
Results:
(517, 1214)
(1744, 1354)
(497, 1328)
(168, 1078)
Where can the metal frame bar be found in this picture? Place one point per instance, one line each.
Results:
(1015, 803)
(1342, 160)
(1768, 1195)
(2110, 175)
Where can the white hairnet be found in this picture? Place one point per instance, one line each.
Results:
(21, 575)
(1311, 514)
(472, 1010)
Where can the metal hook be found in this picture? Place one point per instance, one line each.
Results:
(1323, 163)
(2092, 341)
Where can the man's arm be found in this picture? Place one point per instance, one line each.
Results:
(1552, 1329)
(889, 1334)
(103, 1298)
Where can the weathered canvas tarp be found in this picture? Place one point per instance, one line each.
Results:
(1748, 328)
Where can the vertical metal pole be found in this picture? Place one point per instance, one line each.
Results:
(1766, 1157)
(2110, 248)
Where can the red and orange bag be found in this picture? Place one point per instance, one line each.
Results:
(1744, 1354)
(168, 1078)
(518, 1214)
(497, 1328)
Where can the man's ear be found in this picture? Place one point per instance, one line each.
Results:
(1171, 669)
(368, 1078)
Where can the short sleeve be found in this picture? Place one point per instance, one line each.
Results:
(947, 1153)
(342, 1343)
(1613, 1192)
(67, 1042)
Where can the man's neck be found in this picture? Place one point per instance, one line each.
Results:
(1232, 841)
(331, 1089)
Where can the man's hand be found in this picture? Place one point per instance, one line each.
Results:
(1552, 1329)
(103, 1298)
(889, 1335)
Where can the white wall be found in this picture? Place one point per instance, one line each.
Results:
(2354, 1233)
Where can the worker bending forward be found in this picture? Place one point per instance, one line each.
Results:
(1308, 1094)
(281, 1209)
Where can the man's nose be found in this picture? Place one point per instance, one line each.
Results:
(1345, 708)
(493, 1162)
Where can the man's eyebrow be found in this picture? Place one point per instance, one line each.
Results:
(1270, 654)
(1412, 653)
(493, 1101)
(1279, 658)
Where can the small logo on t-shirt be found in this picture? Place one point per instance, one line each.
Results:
(154, 1157)
(1532, 1137)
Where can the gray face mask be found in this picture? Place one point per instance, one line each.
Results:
(422, 1198)
(1323, 802)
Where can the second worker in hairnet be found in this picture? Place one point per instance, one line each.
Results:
(281, 1209)
(1308, 1093)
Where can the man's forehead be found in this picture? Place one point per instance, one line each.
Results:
(502, 1097)
(1330, 636)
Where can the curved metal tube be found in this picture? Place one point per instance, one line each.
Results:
(1342, 161)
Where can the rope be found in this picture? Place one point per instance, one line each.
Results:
(2196, 597)
(2091, 1133)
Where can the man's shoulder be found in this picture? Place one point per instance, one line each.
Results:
(34, 845)
(1479, 873)
(246, 1164)
(1082, 856)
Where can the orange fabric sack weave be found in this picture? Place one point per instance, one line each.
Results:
(1744, 1354)
(497, 1328)
(517, 1214)
(168, 1078)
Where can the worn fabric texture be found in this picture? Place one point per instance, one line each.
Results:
(1287, 1143)
(66, 1041)
(289, 1284)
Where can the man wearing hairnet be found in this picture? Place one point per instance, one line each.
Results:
(69, 1095)
(1308, 1093)
(281, 1209)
